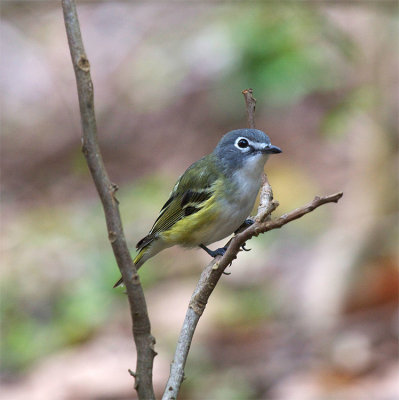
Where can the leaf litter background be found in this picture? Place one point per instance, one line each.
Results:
(310, 312)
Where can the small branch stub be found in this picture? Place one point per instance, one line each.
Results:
(250, 103)
(83, 64)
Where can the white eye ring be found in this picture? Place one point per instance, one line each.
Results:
(242, 144)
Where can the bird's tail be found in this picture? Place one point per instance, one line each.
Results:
(139, 257)
(138, 261)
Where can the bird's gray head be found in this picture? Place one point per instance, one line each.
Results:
(239, 147)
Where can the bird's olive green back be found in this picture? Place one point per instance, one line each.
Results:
(192, 189)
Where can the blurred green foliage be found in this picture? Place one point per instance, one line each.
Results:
(361, 99)
(286, 53)
(75, 275)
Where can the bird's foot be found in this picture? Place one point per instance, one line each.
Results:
(214, 253)
(248, 222)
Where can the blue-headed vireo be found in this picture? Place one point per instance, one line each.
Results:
(213, 197)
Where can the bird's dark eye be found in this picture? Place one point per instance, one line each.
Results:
(243, 143)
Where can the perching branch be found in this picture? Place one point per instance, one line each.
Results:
(212, 273)
(106, 189)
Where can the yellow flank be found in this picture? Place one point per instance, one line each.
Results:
(190, 230)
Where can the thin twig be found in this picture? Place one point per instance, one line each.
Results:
(215, 269)
(250, 106)
(250, 102)
(106, 190)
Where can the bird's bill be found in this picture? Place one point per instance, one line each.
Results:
(272, 150)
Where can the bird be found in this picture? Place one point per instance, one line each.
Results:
(212, 198)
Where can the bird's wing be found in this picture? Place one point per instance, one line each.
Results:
(192, 189)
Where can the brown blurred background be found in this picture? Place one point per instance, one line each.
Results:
(310, 312)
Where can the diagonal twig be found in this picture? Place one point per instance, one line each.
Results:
(106, 189)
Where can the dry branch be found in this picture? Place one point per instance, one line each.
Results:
(106, 190)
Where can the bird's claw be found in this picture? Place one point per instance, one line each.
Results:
(214, 253)
(244, 248)
(248, 222)
(219, 252)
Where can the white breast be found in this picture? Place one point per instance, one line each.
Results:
(238, 207)
(248, 180)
